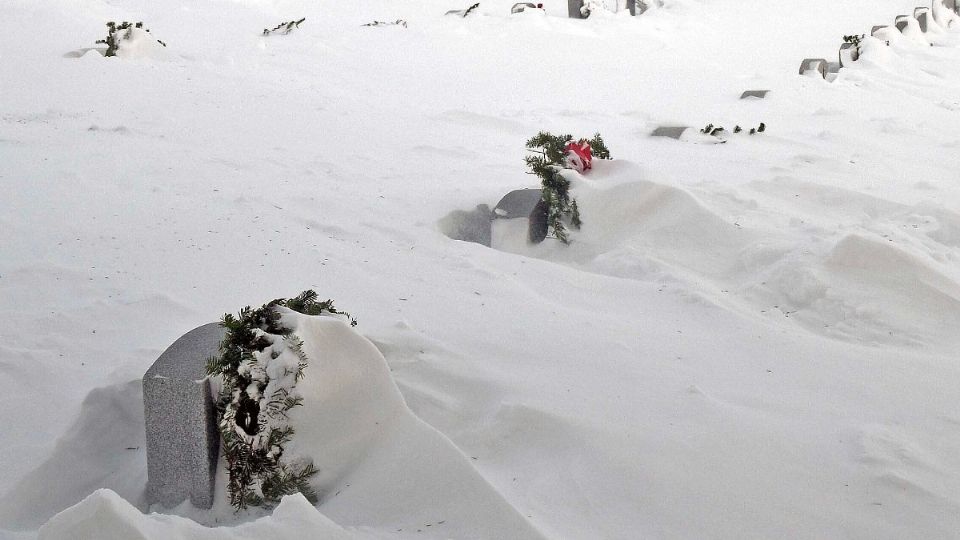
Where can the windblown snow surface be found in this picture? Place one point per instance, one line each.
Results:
(754, 339)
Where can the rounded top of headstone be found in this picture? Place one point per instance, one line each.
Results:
(186, 359)
(519, 203)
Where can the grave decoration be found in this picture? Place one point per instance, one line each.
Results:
(549, 156)
(260, 363)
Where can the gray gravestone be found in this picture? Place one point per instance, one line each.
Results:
(473, 226)
(181, 421)
(673, 132)
(520, 7)
(525, 203)
(902, 22)
(760, 94)
(875, 29)
(573, 9)
(818, 64)
(923, 17)
(848, 54)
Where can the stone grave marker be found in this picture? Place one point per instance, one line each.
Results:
(811, 64)
(922, 15)
(525, 203)
(848, 54)
(875, 29)
(673, 132)
(573, 9)
(183, 441)
(902, 22)
(759, 94)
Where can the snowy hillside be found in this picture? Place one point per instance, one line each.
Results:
(745, 340)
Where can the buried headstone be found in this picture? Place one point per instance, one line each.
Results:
(818, 65)
(902, 22)
(574, 9)
(759, 94)
(923, 18)
(525, 204)
(522, 6)
(181, 421)
(849, 53)
(473, 226)
(672, 132)
(878, 28)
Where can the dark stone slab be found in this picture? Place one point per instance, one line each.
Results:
(923, 18)
(573, 9)
(521, 6)
(181, 422)
(818, 64)
(525, 203)
(902, 22)
(875, 29)
(673, 132)
(759, 94)
(473, 226)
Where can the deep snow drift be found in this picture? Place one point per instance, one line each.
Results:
(752, 339)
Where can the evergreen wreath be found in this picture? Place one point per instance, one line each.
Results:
(253, 405)
(284, 28)
(548, 160)
(855, 40)
(120, 32)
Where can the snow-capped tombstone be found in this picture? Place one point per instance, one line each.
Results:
(758, 94)
(875, 29)
(922, 14)
(848, 54)
(818, 65)
(473, 226)
(902, 21)
(520, 7)
(525, 204)
(181, 421)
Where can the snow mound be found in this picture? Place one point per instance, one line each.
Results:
(379, 464)
(104, 448)
(104, 515)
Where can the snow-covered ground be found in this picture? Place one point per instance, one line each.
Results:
(746, 340)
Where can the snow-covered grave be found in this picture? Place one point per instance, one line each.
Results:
(922, 15)
(671, 132)
(180, 421)
(526, 205)
(521, 205)
(758, 94)
(849, 53)
(748, 340)
(902, 22)
(814, 65)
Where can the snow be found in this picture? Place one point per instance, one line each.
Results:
(746, 340)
